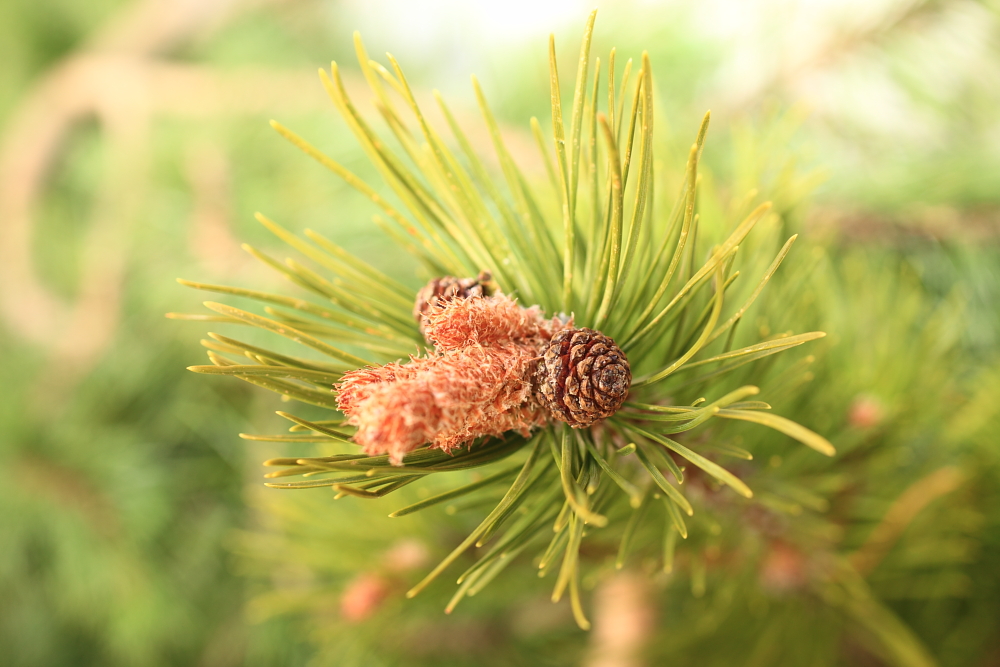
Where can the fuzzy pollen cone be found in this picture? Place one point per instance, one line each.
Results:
(583, 377)
(478, 381)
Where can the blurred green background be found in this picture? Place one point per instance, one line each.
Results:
(135, 149)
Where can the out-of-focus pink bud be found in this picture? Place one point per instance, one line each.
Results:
(407, 554)
(865, 412)
(783, 569)
(363, 596)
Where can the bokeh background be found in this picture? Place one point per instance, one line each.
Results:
(135, 148)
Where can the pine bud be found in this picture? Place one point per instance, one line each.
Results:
(582, 377)
(441, 290)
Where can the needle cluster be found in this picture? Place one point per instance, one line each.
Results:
(596, 240)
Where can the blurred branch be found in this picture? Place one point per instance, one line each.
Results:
(115, 80)
(935, 223)
(901, 514)
(624, 621)
(835, 44)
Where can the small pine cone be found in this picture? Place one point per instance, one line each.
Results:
(440, 290)
(582, 377)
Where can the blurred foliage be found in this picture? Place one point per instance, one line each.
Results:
(792, 577)
(135, 528)
(125, 482)
(34, 35)
(886, 554)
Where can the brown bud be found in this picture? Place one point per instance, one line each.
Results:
(582, 377)
(447, 288)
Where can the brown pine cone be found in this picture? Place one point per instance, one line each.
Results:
(447, 288)
(582, 377)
